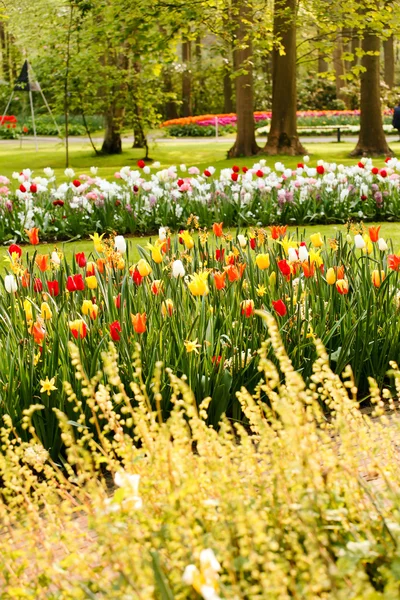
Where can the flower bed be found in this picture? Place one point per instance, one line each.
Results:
(191, 304)
(143, 199)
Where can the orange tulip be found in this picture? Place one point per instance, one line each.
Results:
(278, 231)
(139, 322)
(340, 272)
(393, 261)
(100, 264)
(25, 278)
(377, 277)
(374, 233)
(308, 269)
(42, 261)
(219, 280)
(90, 269)
(38, 333)
(232, 272)
(217, 229)
(33, 235)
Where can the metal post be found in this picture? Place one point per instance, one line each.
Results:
(338, 134)
(216, 127)
(33, 118)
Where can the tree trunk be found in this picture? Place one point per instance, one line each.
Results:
(283, 138)
(388, 51)
(228, 101)
(186, 79)
(112, 143)
(245, 143)
(322, 64)
(372, 140)
(171, 111)
(338, 64)
(355, 43)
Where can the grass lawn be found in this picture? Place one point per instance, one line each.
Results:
(390, 231)
(201, 154)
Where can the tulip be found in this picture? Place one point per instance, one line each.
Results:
(100, 263)
(303, 252)
(120, 244)
(342, 286)
(91, 282)
(331, 276)
(393, 261)
(144, 268)
(262, 261)
(272, 279)
(219, 280)
(55, 258)
(25, 278)
(308, 269)
(15, 249)
(284, 268)
(156, 286)
(178, 269)
(115, 329)
(374, 233)
(33, 235)
(247, 307)
(88, 308)
(340, 272)
(377, 277)
(198, 284)
(232, 272)
(359, 241)
(97, 241)
(279, 307)
(80, 259)
(75, 283)
(10, 284)
(242, 240)
(217, 229)
(187, 239)
(37, 285)
(139, 322)
(382, 245)
(54, 288)
(293, 256)
(42, 262)
(90, 268)
(253, 243)
(167, 308)
(28, 310)
(155, 253)
(45, 311)
(117, 301)
(78, 329)
(136, 276)
(278, 231)
(162, 234)
(316, 240)
(219, 254)
(38, 333)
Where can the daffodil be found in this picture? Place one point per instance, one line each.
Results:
(261, 290)
(287, 243)
(47, 385)
(192, 346)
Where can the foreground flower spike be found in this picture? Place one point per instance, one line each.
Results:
(33, 235)
(139, 322)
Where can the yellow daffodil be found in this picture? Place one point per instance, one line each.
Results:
(45, 311)
(287, 243)
(192, 346)
(262, 261)
(261, 290)
(47, 385)
(316, 240)
(198, 284)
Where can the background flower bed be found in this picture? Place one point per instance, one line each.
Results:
(141, 200)
(192, 306)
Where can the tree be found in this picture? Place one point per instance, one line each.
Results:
(282, 137)
(245, 143)
(388, 53)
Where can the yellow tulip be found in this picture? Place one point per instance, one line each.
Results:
(45, 311)
(315, 258)
(28, 310)
(187, 239)
(198, 285)
(144, 268)
(88, 308)
(331, 276)
(167, 308)
(91, 282)
(316, 240)
(155, 253)
(262, 261)
(272, 279)
(377, 278)
(368, 245)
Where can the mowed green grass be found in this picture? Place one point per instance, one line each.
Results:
(200, 154)
(390, 231)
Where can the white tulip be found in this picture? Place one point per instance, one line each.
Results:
(55, 258)
(69, 173)
(162, 233)
(146, 169)
(359, 241)
(48, 172)
(382, 245)
(178, 270)
(306, 159)
(93, 170)
(292, 255)
(242, 240)
(156, 165)
(10, 284)
(120, 244)
(303, 253)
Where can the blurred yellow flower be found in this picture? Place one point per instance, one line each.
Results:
(97, 241)
(198, 284)
(45, 311)
(191, 346)
(47, 385)
(91, 282)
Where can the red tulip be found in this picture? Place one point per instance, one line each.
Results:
(235, 169)
(234, 176)
(280, 307)
(75, 283)
(76, 183)
(37, 285)
(320, 170)
(80, 259)
(15, 249)
(141, 164)
(54, 288)
(115, 329)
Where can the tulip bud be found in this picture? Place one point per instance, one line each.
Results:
(242, 240)
(359, 241)
(178, 269)
(272, 279)
(262, 261)
(382, 245)
(293, 257)
(331, 276)
(303, 253)
(120, 244)
(10, 284)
